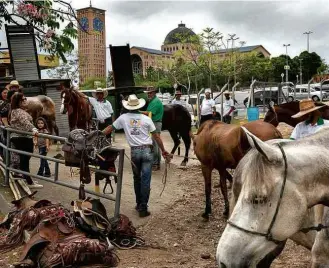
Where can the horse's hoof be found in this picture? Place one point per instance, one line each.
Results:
(183, 164)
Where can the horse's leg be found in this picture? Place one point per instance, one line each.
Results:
(206, 171)
(223, 188)
(187, 141)
(228, 177)
(174, 136)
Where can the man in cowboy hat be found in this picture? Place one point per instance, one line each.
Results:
(313, 122)
(155, 107)
(177, 99)
(208, 109)
(137, 128)
(102, 107)
(228, 107)
(14, 85)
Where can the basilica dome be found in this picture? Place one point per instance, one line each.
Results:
(173, 36)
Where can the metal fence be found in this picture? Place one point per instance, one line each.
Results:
(6, 166)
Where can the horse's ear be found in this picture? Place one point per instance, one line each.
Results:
(270, 152)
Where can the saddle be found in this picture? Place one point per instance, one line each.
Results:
(83, 148)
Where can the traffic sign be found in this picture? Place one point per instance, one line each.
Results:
(287, 67)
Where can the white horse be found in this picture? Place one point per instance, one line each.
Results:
(274, 187)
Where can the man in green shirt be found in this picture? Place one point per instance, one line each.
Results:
(155, 107)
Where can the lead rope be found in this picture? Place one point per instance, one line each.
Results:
(165, 174)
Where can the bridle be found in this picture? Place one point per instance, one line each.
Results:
(268, 235)
(70, 99)
(276, 116)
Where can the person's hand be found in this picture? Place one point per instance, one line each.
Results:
(47, 149)
(167, 156)
(35, 133)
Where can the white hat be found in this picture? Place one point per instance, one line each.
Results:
(13, 83)
(133, 103)
(227, 92)
(208, 90)
(100, 90)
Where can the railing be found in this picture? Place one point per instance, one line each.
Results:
(6, 165)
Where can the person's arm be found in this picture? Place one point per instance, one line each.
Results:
(108, 130)
(295, 133)
(5, 121)
(22, 121)
(117, 124)
(213, 106)
(158, 140)
(232, 107)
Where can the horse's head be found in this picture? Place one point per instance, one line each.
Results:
(269, 205)
(271, 116)
(66, 97)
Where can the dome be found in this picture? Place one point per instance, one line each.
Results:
(171, 37)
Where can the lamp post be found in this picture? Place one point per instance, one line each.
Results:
(300, 71)
(282, 75)
(308, 40)
(287, 66)
(296, 79)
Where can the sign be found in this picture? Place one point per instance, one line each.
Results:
(287, 67)
(97, 84)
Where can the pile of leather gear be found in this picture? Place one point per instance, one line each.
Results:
(58, 237)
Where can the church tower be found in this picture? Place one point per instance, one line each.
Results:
(91, 43)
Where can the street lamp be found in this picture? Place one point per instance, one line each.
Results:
(308, 40)
(282, 75)
(300, 71)
(287, 66)
(296, 79)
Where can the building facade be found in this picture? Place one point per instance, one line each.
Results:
(91, 43)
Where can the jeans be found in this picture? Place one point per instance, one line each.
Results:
(44, 167)
(142, 159)
(156, 149)
(227, 119)
(24, 144)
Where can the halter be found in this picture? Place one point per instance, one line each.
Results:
(268, 234)
(67, 103)
(276, 116)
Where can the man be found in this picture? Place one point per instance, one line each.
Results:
(15, 86)
(137, 128)
(155, 107)
(312, 124)
(208, 109)
(177, 99)
(228, 106)
(102, 107)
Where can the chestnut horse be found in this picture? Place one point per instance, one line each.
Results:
(220, 146)
(43, 106)
(78, 107)
(283, 113)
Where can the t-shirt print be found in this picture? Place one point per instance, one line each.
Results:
(135, 125)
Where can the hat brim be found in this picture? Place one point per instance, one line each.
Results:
(227, 93)
(104, 92)
(148, 91)
(300, 114)
(131, 108)
(10, 86)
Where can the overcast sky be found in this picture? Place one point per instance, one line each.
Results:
(269, 23)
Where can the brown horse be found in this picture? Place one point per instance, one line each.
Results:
(220, 146)
(78, 107)
(43, 106)
(283, 113)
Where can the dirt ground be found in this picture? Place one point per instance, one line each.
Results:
(175, 233)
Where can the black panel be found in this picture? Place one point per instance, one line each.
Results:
(121, 66)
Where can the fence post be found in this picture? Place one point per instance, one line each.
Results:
(7, 158)
(119, 184)
(56, 171)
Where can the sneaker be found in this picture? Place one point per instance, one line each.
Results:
(35, 186)
(137, 208)
(144, 213)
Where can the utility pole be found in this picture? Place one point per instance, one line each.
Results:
(287, 66)
(300, 71)
(308, 40)
(233, 38)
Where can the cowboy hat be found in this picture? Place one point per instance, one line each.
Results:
(208, 90)
(150, 89)
(13, 83)
(100, 90)
(178, 92)
(226, 92)
(305, 107)
(133, 103)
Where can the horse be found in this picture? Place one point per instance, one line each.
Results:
(78, 107)
(283, 113)
(274, 186)
(43, 106)
(220, 146)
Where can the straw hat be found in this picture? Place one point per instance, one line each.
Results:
(305, 107)
(133, 103)
(100, 90)
(226, 92)
(150, 89)
(178, 92)
(13, 83)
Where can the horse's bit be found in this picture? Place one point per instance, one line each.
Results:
(268, 234)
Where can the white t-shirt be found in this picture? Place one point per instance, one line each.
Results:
(227, 104)
(206, 106)
(304, 129)
(103, 109)
(137, 128)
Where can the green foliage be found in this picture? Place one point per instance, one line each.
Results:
(89, 84)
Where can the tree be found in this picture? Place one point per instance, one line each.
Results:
(310, 63)
(90, 83)
(69, 69)
(54, 22)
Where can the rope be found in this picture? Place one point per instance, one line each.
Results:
(165, 174)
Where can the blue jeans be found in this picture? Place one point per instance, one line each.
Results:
(156, 149)
(44, 167)
(142, 159)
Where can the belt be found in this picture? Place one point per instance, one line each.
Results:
(142, 147)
